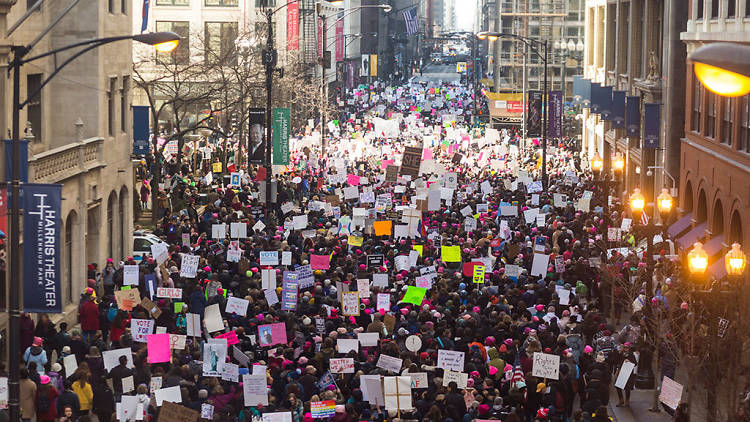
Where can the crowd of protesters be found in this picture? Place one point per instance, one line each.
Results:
(499, 323)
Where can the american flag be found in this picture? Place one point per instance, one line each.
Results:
(410, 18)
(517, 373)
(644, 218)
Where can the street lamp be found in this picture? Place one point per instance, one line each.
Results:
(723, 68)
(735, 261)
(534, 46)
(618, 164)
(697, 259)
(161, 41)
(597, 163)
(637, 202)
(664, 203)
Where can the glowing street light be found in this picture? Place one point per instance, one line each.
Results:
(697, 259)
(723, 68)
(735, 261)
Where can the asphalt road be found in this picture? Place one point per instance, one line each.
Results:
(437, 73)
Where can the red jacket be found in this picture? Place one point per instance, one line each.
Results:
(89, 316)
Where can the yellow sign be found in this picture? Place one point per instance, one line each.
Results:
(460, 67)
(382, 228)
(418, 248)
(216, 167)
(478, 274)
(355, 240)
(374, 65)
(450, 253)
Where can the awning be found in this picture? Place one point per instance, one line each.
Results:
(714, 246)
(718, 270)
(686, 241)
(680, 226)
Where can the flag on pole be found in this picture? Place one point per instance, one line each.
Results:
(144, 15)
(644, 218)
(410, 18)
(517, 373)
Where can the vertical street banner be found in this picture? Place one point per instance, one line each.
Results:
(618, 109)
(4, 208)
(256, 146)
(581, 90)
(349, 75)
(534, 114)
(651, 125)
(554, 120)
(596, 97)
(280, 131)
(292, 26)
(606, 102)
(10, 160)
(41, 248)
(141, 133)
(321, 37)
(340, 37)
(633, 117)
(374, 65)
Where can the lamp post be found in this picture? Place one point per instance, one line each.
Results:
(534, 46)
(723, 68)
(649, 230)
(565, 51)
(161, 41)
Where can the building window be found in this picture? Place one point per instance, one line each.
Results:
(747, 7)
(220, 42)
(34, 109)
(711, 120)
(714, 9)
(181, 54)
(124, 104)
(700, 9)
(731, 12)
(111, 106)
(695, 121)
(265, 3)
(745, 124)
(726, 121)
(173, 2)
(124, 7)
(111, 6)
(222, 3)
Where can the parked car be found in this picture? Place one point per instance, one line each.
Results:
(142, 242)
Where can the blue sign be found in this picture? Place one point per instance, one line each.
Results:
(42, 223)
(141, 132)
(618, 109)
(596, 97)
(651, 125)
(606, 102)
(10, 160)
(633, 117)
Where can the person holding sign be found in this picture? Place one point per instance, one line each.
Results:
(619, 358)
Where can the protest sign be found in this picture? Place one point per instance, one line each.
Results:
(130, 275)
(368, 339)
(111, 358)
(189, 266)
(397, 393)
(671, 392)
(158, 347)
(546, 366)
(624, 375)
(169, 293)
(269, 258)
(418, 380)
(212, 318)
(350, 303)
(450, 360)
(70, 364)
(140, 328)
(255, 389)
(236, 306)
(414, 295)
(193, 325)
(460, 378)
(390, 363)
(167, 395)
(345, 345)
(341, 365)
(271, 334)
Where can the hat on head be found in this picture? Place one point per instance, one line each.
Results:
(56, 367)
(540, 387)
(44, 379)
(38, 341)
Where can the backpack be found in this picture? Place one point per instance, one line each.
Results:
(43, 404)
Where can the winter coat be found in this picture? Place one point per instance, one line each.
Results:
(89, 316)
(38, 355)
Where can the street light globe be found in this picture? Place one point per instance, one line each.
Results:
(596, 162)
(664, 202)
(735, 261)
(723, 68)
(166, 47)
(637, 202)
(571, 45)
(697, 259)
(493, 37)
(557, 45)
(618, 163)
(580, 46)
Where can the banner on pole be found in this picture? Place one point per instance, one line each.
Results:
(618, 109)
(280, 131)
(339, 28)
(534, 116)
(606, 102)
(554, 121)
(41, 248)
(633, 117)
(141, 132)
(256, 147)
(292, 26)
(651, 125)
(596, 97)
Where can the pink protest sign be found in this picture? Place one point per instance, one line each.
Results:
(320, 262)
(271, 334)
(385, 163)
(159, 349)
(230, 336)
(352, 179)
(427, 154)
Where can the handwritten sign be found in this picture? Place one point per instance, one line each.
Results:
(671, 392)
(478, 274)
(418, 380)
(169, 293)
(546, 366)
(451, 360)
(322, 409)
(237, 306)
(141, 328)
(269, 258)
(189, 266)
(341, 365)
(389, 363)
(350, 303)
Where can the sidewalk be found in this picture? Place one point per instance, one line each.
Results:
(640, 402)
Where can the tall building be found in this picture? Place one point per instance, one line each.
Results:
(715, 162)
(633, 50)
(79, 132)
